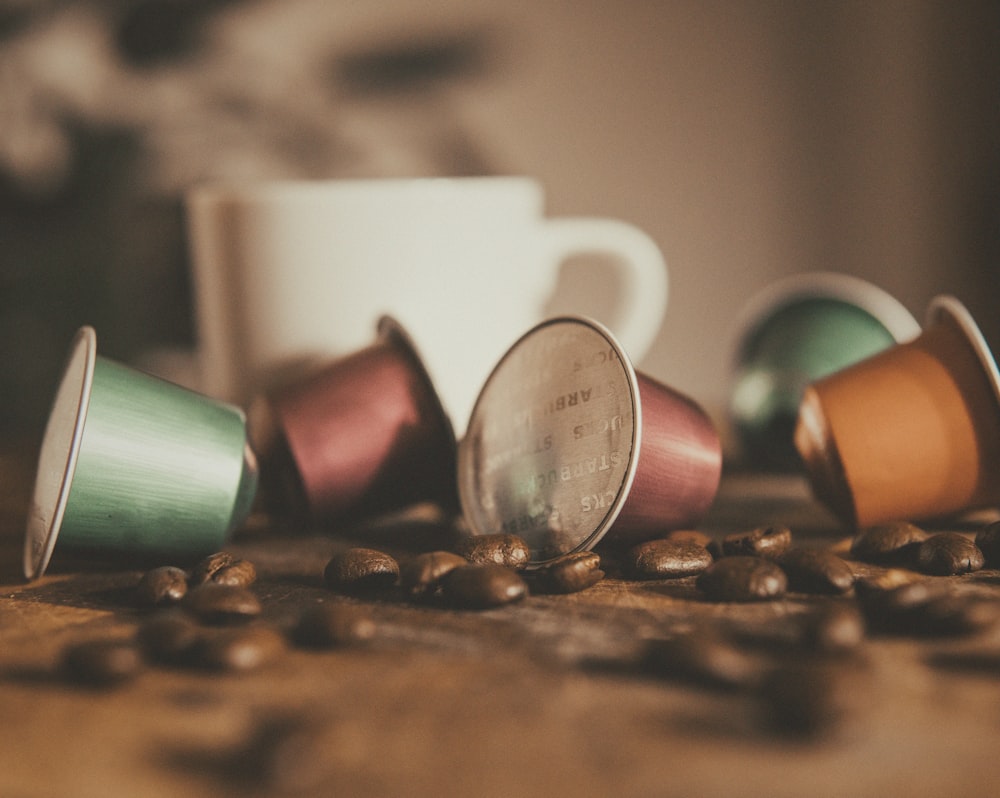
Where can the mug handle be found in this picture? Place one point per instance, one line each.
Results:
(639, 264)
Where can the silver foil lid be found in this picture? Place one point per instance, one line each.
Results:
(553, 441)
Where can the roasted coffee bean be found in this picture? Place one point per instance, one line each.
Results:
(161, 586)
(294, 755)
(888, 544)
(503, 549)
(482, 586)
(221, 604)
(988, 541)
(812, 699)
(205, 570)
(242, 649)
(703, 657)
(691, 536)
(168, 637)
(424, 572)
(102, 663)
(948, 553)
(240, 573)
(835, 628)
(741, 578)
(953, 616)
(894, 609)
(816, 571)
(765, 541)
(571, 573)
(332, 625)
(667, 559)
(360, 570)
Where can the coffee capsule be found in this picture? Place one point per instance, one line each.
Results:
(365, 435)
(567, 441)
(799, 330)
(910, 433)
(132, 466)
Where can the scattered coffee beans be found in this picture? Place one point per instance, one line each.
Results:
(360, 570)
(483, 586)
(948, 553)
(816, 571)
(332, 625)
(667, 559)
(703, 657)
(221, 604)
(423, 573)
(206, 569)
(571, 573)
(507, 550)
(988, 541)
(888, 544)
(102, 663)
(168, 637)
(161, 586)
(741, 578)
(242, 649)
(765, 541)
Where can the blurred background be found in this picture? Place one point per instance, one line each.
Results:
(751, 139)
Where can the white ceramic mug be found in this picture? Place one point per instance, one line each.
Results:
(288, 274)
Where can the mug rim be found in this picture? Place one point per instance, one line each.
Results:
(250, 190)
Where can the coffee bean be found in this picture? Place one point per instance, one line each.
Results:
(101, 663)
(894, 609)
(571, 573)
(161, 586)
(168, 637)
(221, 604)
(667, 559)
(483, 586)
(740, 578)
(765, 541)
(705, 658)
(691, 536)
(812, 699)
(503, 549)
(948, 553)
(360, 570)
(894, 543)
(988, 541)
(835, 628)
(240, 573)
(289, 754)
(423, 573)
(206, 569)
(953, 616)
(242, 649)
(332, 625)
(816, 571)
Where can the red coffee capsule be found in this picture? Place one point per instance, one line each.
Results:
(368, 434)
(567, 441)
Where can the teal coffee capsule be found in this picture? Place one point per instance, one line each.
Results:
(135, 467)
(796, 331)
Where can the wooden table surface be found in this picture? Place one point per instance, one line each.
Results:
(544, 697)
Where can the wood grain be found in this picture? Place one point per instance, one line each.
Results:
(542, 698)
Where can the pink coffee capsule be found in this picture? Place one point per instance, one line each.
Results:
(568, 443)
